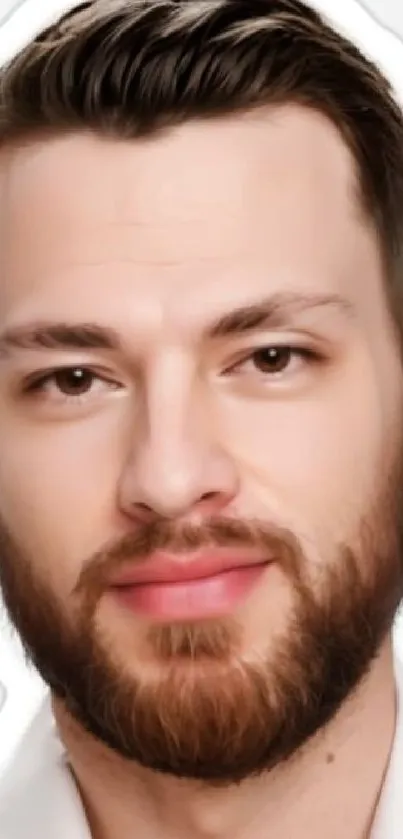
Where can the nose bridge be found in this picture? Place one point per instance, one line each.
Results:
(178, 459)
(174, 412)
(172, 441)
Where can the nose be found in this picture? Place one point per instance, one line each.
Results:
(177, 468)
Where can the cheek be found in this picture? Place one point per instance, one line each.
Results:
(57, 492)
(311, 459)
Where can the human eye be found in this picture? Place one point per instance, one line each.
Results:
(275, 361)
(73, 384)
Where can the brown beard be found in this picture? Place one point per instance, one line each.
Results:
(211, 714)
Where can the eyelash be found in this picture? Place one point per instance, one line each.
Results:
(305, 354)
(36, 386)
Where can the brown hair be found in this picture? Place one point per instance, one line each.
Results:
(128, 68)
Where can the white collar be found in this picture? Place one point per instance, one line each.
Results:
(38, 795)
(388, 823)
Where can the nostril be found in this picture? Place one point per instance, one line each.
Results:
(143, 511)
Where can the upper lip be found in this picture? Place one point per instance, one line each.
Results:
(168, 568)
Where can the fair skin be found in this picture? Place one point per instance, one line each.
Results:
(157, 239)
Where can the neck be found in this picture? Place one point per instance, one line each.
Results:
(123, 800)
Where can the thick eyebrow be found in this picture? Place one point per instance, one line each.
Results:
(276, 312)
(59, 336)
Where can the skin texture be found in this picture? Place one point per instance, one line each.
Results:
(181, 437)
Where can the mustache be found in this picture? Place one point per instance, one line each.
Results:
(166, 535)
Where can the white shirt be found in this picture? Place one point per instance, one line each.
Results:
(39, 798)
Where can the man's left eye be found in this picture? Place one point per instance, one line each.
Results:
(274, 360)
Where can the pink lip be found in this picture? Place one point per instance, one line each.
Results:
(167, 568)
(188, 588)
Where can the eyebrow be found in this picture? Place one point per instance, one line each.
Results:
(59, 336)
(276, 312)
(279, 311)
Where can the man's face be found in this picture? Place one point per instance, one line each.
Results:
(188, 430)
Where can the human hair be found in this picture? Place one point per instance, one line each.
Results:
(131, 68)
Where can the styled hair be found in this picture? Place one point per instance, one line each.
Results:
(131, 68)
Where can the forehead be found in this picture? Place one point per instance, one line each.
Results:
(192, 217)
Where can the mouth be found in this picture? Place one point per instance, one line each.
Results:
(167, 588)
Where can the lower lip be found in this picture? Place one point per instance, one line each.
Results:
(192, 599)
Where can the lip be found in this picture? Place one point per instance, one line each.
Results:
(167, 568)
(167, 588)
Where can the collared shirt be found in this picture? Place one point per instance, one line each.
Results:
(39, 798)
(388, 822)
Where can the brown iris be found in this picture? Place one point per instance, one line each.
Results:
(272, 359)
(74, 381)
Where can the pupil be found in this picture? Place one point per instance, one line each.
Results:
(273, 358)
(71, 381)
